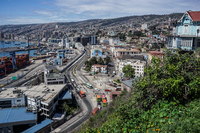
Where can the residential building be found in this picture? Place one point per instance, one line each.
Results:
(120, 52)
(1, 35)
(155, 54)
(99, 68)
(144, 26)
(186, 34)
(127, 85)
(93, 40)
(137, 62)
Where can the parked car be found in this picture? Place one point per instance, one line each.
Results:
(90, 74)
(111, 84)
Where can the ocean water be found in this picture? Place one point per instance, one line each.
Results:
(12, 44)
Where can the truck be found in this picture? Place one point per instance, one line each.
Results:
(95, 111)
(82, 94)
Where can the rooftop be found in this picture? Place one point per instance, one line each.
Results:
(55, 75)
(128, 82)
(127, 50)
(135, 57)
(45, 92)
(11, 115)
(39, 126)
(97, 65)
(66, 95)
(195, 15)
(8, 93)
(156, 52)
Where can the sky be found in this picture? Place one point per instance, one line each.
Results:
(45, 11)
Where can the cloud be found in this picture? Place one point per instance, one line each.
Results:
(25, 20)
(103, 8)
(76, 10)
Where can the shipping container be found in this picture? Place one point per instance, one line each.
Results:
(95, 111)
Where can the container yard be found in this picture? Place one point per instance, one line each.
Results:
(8, 64)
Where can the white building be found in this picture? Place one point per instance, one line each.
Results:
(79, 46)
(38, 98)
(99, 68)
(137, 62)
(120, 52)
(144, 26)
(11, 98)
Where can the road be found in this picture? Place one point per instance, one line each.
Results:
(84, 102)
(32, 71)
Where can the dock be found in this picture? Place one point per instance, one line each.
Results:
(16, 49)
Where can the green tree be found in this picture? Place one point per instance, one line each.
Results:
(73, 46)
(100, 61)
(107, 60)
(128, 71)
(93, 61)
(66, 108)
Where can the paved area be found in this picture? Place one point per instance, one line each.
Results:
(19, 73)
(100, 81)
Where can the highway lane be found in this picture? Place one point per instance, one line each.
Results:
(86, 105)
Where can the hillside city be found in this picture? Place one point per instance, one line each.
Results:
(127, 74)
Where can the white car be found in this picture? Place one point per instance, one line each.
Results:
(96, 89)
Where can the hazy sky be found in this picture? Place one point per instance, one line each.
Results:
(42, 11)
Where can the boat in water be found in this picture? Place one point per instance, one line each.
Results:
(7, 42)
(17, 44)
(23, 42)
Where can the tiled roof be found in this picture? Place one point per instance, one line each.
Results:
(156, 52)
(97, 65)
(195, 15)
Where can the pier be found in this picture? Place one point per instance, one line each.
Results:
(16, 49)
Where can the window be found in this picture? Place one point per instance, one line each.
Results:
(18, 100)
(186, 29)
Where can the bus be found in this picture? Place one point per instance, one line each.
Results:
(88, 85)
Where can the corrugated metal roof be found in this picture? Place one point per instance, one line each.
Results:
(66, 95)
(128, 82)
(38, 126)
(15, 115)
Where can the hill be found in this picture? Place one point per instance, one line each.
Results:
(96, 23)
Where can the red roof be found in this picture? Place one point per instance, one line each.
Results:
(195, 15)
(156, 53)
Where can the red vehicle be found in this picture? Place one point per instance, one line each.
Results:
(107, 90)
(95, 111)
(82, 94)
(111, 84)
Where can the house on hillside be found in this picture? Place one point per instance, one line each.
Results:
(186, 34)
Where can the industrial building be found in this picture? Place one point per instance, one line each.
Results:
(10, 118)
(11, 98)
(52, 76)
(42, 98)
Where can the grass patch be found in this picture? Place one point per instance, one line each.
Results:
(75, 69)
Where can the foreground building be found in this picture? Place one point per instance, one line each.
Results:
(186, 34)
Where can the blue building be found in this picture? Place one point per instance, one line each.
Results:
(186, 34)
